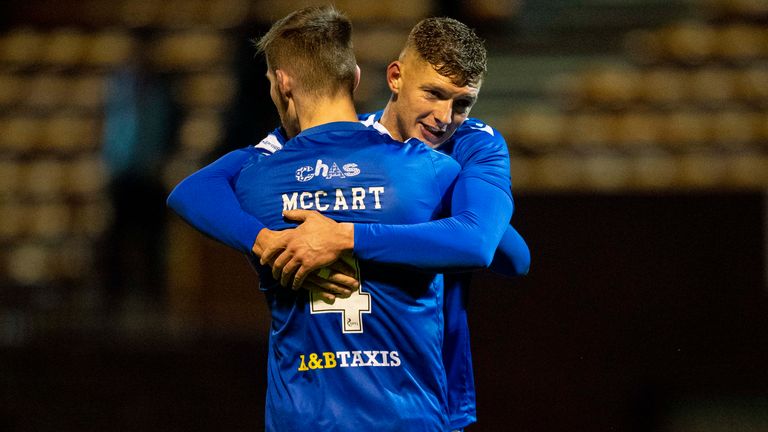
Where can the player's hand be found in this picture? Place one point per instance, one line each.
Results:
(337, 280)
(317, 242)
(269, 244)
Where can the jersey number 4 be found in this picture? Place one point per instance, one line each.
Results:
(351, 308)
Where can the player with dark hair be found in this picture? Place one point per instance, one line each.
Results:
(370, 360)
(434, 84)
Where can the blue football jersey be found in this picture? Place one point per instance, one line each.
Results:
(372, 361)
(482, 153)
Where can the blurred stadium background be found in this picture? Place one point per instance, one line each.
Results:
(638, 132)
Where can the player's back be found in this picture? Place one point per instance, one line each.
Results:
(371, 361)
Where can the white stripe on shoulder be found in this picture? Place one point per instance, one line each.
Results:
(369, 121)
(270, 144)
(482, 127)
(382, 130)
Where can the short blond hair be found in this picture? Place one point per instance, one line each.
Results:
(452, 48)
(315, 45)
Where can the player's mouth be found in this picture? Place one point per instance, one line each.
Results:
(433, 135)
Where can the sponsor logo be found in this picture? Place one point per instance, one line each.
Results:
(321, 169)
(481, 126)
(344, 359)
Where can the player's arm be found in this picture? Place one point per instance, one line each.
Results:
(512, 257)
(207, 201)
(467, 240)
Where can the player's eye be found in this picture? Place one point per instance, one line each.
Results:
(462, 105)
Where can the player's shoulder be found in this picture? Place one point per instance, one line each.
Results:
(474, 135)
(443, 163)
(272, 143)
(476, 130)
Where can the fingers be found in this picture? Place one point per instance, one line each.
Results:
(344, 268)
(336, 281)
(269, 255)
(298, 215)
(340, 274)
(270, 243)
(288, 274)
(279, 263)
(301, 273)
(318, 292)
(343, 280)
(314, 282)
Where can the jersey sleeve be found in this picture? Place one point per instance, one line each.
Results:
(207, 201)
(482, 152)
(466, 240)
(513, 257)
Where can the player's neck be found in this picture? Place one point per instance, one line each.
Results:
(326, 110)
(389, 121)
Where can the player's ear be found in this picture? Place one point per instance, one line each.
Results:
(284, 82)
(394, 76)
(357, 77)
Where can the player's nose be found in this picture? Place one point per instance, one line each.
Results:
(443, 113)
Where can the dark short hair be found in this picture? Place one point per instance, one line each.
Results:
(315, 45)
(452, 48)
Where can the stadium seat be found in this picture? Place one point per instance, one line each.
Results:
(47, 91)
(43, 178)
(108, 49)
(747, 169)
(87, 92)
(29, 263)
(701, 169)
(200, 133)
(684, 128)
(85, 177)
(606, 170)
(589, 129)
(638, 128)
(740, 44)
(71, 132)
(609, 87)
(10, 176)
(12, 89)
(22, 133)
(22, 47)
(710, 87)
(64, 48)
(534, 130)
(213, 90)
(751, 86)
(652, 169)
(49, 221)
(688, 42)
(13, 216)
(734, 127)
(191, 51)
(662, 87)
